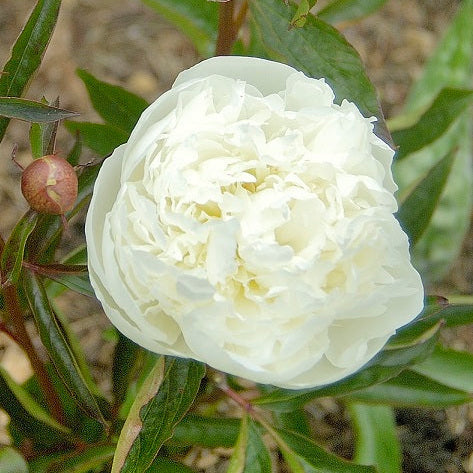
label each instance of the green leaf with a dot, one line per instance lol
(206, 431)
(82, 461)
(162, 401)
(418, 207)
(387, 364)
(12, 256)
(43, 136)
(446, 108)
(58, 348)
(199, 24)
(31, 111)
(27, 415)
(303, 455)
(449, 367)
(117, 106)
(376, 441)
(165, 465)
(102, 139)
(295, 420)
(347, 10)
(250, 454)
(11, 461)
(28, 52)
(450, 66)
(125, 360)
(300, 17)
(318, 50)
(412, 389)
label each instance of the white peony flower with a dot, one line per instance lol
(248, 223)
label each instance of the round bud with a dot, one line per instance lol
(49, 184)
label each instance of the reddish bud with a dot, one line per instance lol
(49, 184)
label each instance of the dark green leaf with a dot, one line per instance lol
(206, 431)
(84, 461)
(449, 367)
(348, 10)
(57, 347)
(445, 109)
(125, 359)
(117, 106)
(376, 441)
(164, 398)
(250, 454)
(295, 420)
(418, 207)
(412, 389)
(318, 50)
(31, 111)
(27, 52)
(199, 24)
(11, 461)
(13, 253)
(102, 139)
(303, 455)
(27, 415)
(385, 365)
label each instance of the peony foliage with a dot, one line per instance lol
(246, 237)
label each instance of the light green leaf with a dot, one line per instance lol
(31, 111)
(347, 10)
(417, 208)
(300, 17)
(303, 455)
(199, 24)
(162, 401)
(449, 367)
(450, 66)
(118, 107)
(28, 52)
(11, 461)
(99, 137)
(82, 461)
(445, 109)
(318, 50)
(376, 441)
(412, 389)
(43, 135)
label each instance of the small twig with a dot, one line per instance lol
(226, 29)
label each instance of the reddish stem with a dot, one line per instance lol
(226, 29)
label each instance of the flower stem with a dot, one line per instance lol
(226, 29)
(13, 308)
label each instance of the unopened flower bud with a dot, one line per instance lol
(49, 184)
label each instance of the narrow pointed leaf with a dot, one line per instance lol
(376, 440)
(238, 458)
(296, 421)
(418, 207)
(57, 347)
(300, 17)
(11, 461)
(85, 461)
(13, 253)
(449, 367)
(199, 24)
(206, 431)
(445, 109)
(387, 364)
(27, 415)
(114, 104)
(348, 10)
(257, 458)
(28, 51)
(43, 136)
(412, 389)
(318, 50)
(31, 111)
(102, 139)
(162, 401)
(165, 465)
(305, 456)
